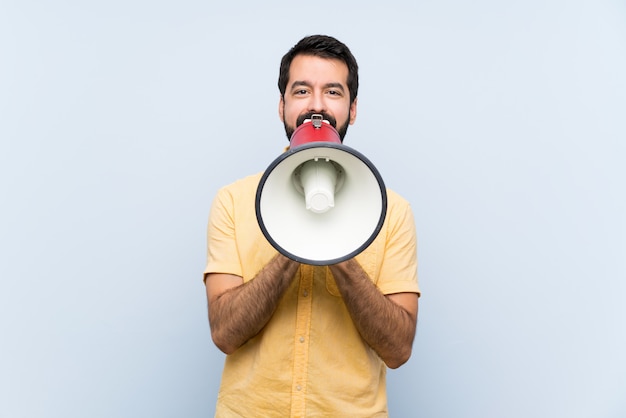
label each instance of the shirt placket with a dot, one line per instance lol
(301, 341)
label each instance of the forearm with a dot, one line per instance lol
(386, 326)
(239, 313)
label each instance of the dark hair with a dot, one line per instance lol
(324, 47)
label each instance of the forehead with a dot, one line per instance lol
(311, 68)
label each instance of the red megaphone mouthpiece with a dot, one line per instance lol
(314, 130)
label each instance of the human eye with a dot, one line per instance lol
(334, 92)
(299, 91)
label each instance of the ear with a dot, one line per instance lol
(281, 108)
(353, 111)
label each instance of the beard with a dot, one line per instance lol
(341, 130)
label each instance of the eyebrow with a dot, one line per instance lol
(299, 83)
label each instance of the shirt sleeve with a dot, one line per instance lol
(399, 265)
(222, 253)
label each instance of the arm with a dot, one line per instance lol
(237, 310)
(386, 323)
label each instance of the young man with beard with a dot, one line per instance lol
(306, 340)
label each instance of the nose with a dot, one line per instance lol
(317, 103)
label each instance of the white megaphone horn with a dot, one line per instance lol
(320, 202)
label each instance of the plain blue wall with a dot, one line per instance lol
(501, 122)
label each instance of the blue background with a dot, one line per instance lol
(503, 124)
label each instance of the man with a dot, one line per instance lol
(306, 340)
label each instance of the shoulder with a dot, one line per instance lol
(399, 212)
(396, 202)
(245, 182)
(243, 185)
(235, 194)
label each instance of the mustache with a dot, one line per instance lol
(309, 115)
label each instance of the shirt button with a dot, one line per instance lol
(301, 339)
(305, 293)
(298, 388)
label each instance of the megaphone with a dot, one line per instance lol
(320, 202)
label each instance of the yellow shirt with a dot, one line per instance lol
(309, 360)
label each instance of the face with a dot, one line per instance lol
(317, 85)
